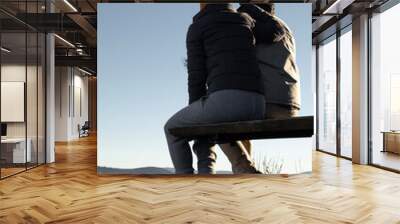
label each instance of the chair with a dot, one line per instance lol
(84, 130)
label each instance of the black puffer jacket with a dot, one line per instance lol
(221, 52)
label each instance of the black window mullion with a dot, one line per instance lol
(45, 95)
(26, 86)
(338, 92)
(317, 95)
(37, 90)
(369, 79)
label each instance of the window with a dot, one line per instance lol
(327, 95)
(346, 92)
(385, 89)
(22, 88)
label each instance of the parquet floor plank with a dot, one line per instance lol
(70, 191)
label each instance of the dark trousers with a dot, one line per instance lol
(221, 106)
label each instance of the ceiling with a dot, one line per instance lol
(75, 22)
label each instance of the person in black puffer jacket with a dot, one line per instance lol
(224, 84)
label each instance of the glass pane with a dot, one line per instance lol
(13, 88)
(32, 95)
(41, 98)
(31, 86)
(346, 94)
(386, 89)
(327, 96)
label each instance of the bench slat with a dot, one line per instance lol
(296, 127)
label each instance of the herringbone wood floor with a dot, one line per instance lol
(70, 191)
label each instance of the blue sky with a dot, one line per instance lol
(143, 81)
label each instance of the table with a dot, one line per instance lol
(391, 141)
(13, 150)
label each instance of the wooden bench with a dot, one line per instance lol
(296, 127)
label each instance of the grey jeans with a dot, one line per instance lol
(221, 106)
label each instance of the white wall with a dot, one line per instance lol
(14, 73)
(80, 84)
(69, 85)
(13, 100)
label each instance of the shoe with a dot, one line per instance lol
(245, 169)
